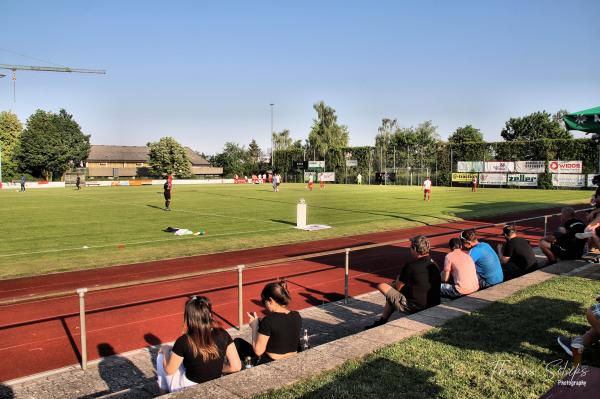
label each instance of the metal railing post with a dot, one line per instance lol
(81, 292)
(346, 267)
(545, 225)
(240, 269)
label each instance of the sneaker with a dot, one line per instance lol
(565, 343)
(376, 323)
(583, 236)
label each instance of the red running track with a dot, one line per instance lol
(44, 335)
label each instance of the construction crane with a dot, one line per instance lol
(15, 68)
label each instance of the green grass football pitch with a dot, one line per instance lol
(47, 230)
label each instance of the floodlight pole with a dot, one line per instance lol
(272, 145)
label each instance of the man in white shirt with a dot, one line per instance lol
(427, 189)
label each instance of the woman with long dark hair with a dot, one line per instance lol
(277, 335)
(203, 352)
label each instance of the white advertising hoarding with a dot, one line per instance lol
(565, 166)
(51, 184)
(568, 180)
(327, 176)
(469, 166)
(316, 164)
(590, 177)
(492, 179)
(530, 166)
(499, 166)
(523, 179)
(351, 163)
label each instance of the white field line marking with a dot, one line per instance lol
(137, 242)
(178, 239)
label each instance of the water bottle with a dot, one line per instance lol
(248, 362)
(305, 345)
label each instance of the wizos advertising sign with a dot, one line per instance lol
(565, 166)
(523, 179)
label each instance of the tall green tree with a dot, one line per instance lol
(466, 134)
(167, 156)
(426, 138)
(234, 160)
(282, 140)
(10, 134)
(254, 152)
(326, 133)
(468, 145)
(536, 126)
(558, 117)
(384, 141)
(50, 143)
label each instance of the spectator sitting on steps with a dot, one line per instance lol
(516, 256)
(203, 352)
(564, 244)
(486, 261)
(416, 288)
(275, 336)
(460, 268)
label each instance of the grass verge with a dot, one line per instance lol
(506, 350)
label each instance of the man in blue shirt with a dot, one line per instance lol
(487, 264)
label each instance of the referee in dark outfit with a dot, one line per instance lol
(167, 193)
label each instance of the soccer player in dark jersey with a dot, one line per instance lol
(167, 193)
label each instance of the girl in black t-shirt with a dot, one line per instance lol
(277, 335)
(199, 354)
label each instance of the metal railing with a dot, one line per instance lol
(240, 280)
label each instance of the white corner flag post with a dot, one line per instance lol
(301, 214)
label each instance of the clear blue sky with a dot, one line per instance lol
(205, 72)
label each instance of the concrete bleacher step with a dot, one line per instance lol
(336, 335)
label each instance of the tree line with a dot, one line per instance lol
(46, 147)
(51, 143)
(414, 146)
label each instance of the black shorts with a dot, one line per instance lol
(167, 195)
(563, 253)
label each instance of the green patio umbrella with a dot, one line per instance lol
(586, 121)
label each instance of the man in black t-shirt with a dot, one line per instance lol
(563, 244)
(516, 256)
(416, 288)
(167, 194)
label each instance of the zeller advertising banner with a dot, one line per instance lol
(530, 166)
(463, 177)
(469, 166)
(565, 166)
(499, 166)
(492, 179)
(568, 180)
(522, 179)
